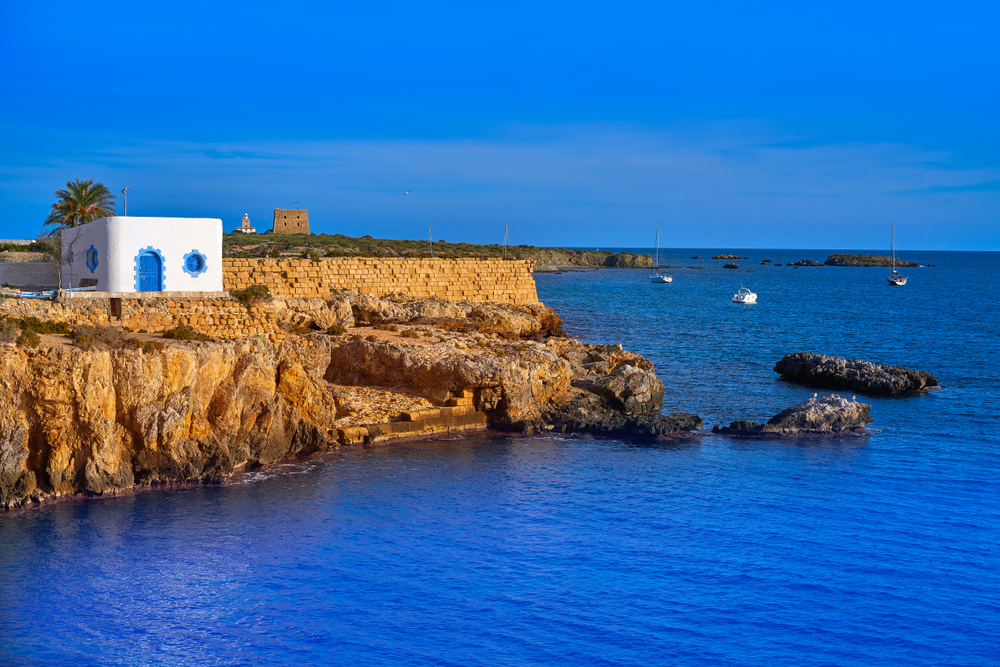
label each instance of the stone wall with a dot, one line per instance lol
(216, 315)
(29, 274)
(498, 280)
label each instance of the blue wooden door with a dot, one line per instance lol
(149, 273)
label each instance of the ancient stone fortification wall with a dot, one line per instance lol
(502, 281)
(218, 315)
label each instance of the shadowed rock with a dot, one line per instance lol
(821, 370)
(828, 414)
(590, 413)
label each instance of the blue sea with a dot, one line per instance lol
(881, 549)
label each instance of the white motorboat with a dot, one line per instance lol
(656, 276)
(745, 296)
(895, 278)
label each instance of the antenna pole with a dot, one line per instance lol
(430, 238)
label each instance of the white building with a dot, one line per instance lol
(134, 254)
(245, 227)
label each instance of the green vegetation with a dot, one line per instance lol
(317, 246)
(26, 331)
(87, 337)
(29, 338)
(34, 246)
(81, 202)
(251, 295)
(336, 330)
(838, 259)
(184, 332)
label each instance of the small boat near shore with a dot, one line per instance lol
(745, 296)
(895, 278)
(656, 276)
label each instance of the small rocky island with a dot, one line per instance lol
(865, 260)
(822, 370)
(827, 414)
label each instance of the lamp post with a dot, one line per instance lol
(125, 192)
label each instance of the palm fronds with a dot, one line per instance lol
(81, 202)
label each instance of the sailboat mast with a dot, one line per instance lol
(893, 248)
(657, 260)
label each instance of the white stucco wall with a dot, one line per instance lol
(119, 241)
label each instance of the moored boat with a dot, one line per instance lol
(895, 278)
(745, 296)
(656, 276)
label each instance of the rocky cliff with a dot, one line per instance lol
(102, 421)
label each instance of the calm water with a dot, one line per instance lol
(877, 550)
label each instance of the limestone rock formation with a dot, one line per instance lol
(828, 414)
(103, 421)
(588, 412)
(630, 390)
(314, 312)
(99, 421)
(821, 370)
(805, 262)
(628, 260)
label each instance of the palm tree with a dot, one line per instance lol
(81, 202)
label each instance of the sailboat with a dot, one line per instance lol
(895, 278)
(655, 276)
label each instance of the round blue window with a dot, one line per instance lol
(194, 263)
(92, 259)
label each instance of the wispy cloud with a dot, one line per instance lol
(735, 185)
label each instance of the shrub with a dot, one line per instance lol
(184, 332)
(410, 333)
(43, 327)
(86, 336)
(356, 336)
(28, 338)
(9, 331)
(251, 295)
(385, 327)
(147, 346)
(336, 330)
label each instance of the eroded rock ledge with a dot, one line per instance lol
(822, 370)
(103, 421)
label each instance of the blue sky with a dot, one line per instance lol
(579, 124)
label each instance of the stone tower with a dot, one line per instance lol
(291, 221)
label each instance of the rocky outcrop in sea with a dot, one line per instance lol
(827, 414)
(821, 370)
(837, 259)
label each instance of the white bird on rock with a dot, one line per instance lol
(815, 395)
